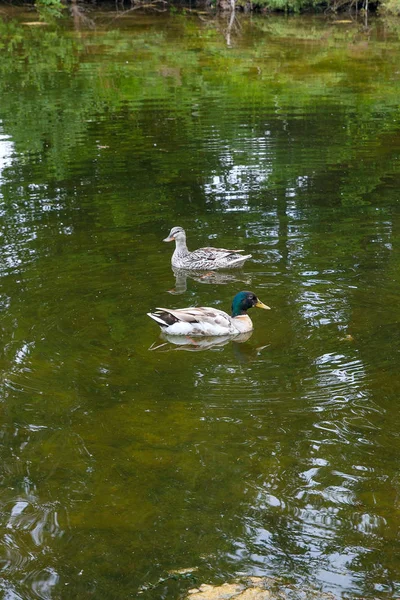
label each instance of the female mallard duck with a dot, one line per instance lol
(203, 320)
(203, 258)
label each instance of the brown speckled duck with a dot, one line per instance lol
(203, 258)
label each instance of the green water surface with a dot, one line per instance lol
(126, 458)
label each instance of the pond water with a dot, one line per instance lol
(125, 458)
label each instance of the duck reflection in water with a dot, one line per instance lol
(243, 352)
(210, 277)
(193, 344)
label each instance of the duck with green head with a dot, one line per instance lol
(203, 320)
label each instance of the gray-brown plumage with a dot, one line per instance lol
(204, 258)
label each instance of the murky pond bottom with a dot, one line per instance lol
(133, 466)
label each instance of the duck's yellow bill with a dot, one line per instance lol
(168, 239)
(262, 305)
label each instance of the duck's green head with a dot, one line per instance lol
(245, 300)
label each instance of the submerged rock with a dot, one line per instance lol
(256, 588)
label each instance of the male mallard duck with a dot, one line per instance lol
(203, 320)
(203, 258)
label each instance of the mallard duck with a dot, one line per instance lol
(203, 258)
(203, 320)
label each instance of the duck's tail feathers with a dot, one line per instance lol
(240, 259)
(157, 319)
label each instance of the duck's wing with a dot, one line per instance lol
(224, 250)
(198, 314)
(211, 253)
